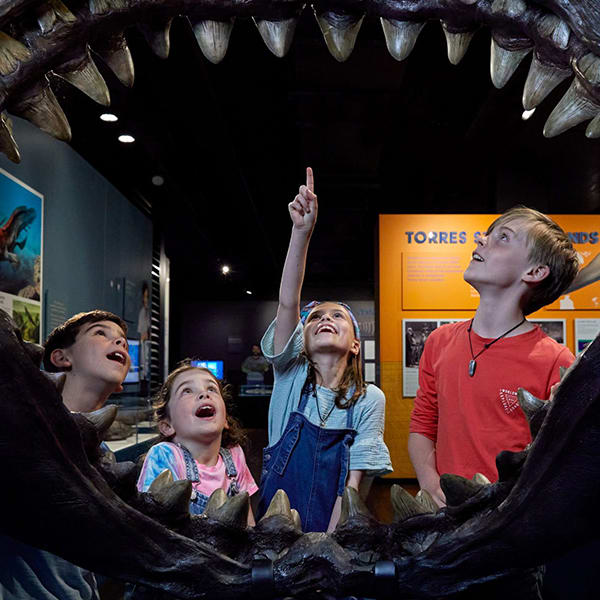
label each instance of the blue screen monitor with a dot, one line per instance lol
(214, 366)
(133, 375)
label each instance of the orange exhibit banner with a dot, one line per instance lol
(421, 263)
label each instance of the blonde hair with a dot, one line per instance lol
(232, 436)
(548, 245)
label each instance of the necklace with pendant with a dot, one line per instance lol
(322, 419)
(473, 361)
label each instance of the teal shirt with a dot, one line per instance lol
(369, 452)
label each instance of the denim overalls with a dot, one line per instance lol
(198, 500)
(311, 464)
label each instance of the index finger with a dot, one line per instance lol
(310, 179)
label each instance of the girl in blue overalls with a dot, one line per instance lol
(325, 424)
(199, 440)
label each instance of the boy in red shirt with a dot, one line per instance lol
(466, 410)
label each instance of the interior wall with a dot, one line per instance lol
(94, 238)
(226, 331)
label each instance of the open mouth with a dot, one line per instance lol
(205, 411)
(476, 257)
(326, 329)
(117, 357)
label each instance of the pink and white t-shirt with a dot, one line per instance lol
(167, 455)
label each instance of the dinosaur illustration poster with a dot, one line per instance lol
(21, 217)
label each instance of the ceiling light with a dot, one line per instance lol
(109, 117)
(158, 180)
(225, 269)
(126, 139)
(527, 113)
(249, 292)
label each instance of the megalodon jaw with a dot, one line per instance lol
(53, 39)
(489, 536)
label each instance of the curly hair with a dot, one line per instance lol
(234, 435)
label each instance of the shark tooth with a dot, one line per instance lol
(425, 499)
(234, 511)
(41, 108)
(541, 80)
(103, 7)
(52, 11)
(340, 33)
(404, 504)
(555, 30)
(117, 56)
(12, 54)
(529, 403)
(573, 108)
(56, 379)
(352, 506)
(481, 479)
(458, 489)
(400, 36)
(503, 63)
(296, 519)
(213, 38)
(277, 35)
(279, 505)
(592, 131)
(86, 78)
(215, 501)
(509, 8)
(576, 105)
(103, 418)
(157, 35)
(8, 145)
(457, 43)
(173, 496)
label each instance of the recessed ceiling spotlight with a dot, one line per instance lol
(249, 292)
(158, 180)
(109, 117)
(527, 113)
(225, 269)
(126, 139)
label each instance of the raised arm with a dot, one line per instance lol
(303, 212)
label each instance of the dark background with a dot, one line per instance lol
(231, 142)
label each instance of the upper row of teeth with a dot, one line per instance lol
(38, 104)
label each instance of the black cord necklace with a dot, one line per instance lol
(473, 361)
(322, 420)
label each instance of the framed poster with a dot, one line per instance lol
(415, 333)
(21, 243)
(554, 328)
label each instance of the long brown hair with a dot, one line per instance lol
(352, 379)
(234, 435)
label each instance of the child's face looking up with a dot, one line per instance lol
(99, 353)
(329, 328)
(501, 256)
(196, 410)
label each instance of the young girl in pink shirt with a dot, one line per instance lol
(200, 441)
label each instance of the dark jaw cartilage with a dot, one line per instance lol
(484, 541)
(41, 40)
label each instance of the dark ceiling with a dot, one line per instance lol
(231, 142)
